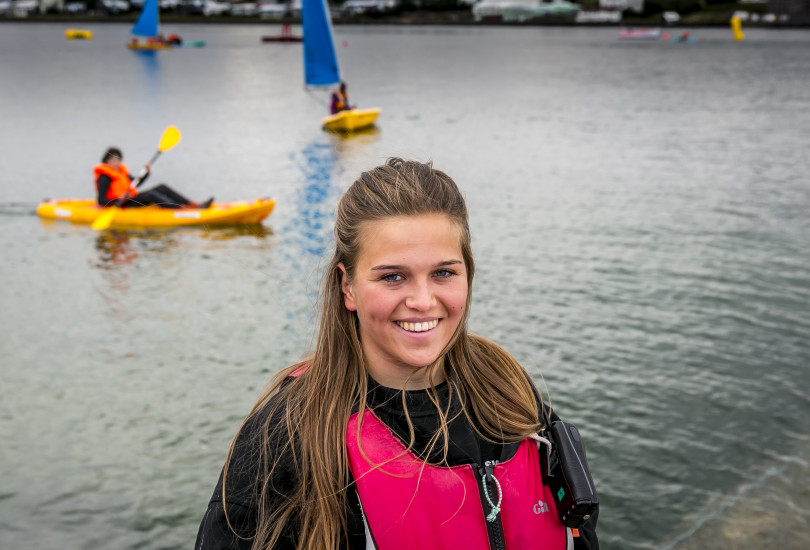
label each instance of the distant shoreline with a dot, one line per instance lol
(465, 18)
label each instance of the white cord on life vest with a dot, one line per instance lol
(496, 508)
(540, 439)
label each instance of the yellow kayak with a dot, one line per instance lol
(348, 121)
(223, 213)
(78, 34)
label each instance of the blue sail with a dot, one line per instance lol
(147, 23)
(320, 61)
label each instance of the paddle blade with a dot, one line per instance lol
(104, 221)
(171, 137)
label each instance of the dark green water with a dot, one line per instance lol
(640, 223)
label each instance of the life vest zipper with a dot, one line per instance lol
(491, 499)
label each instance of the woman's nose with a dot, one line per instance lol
(420, 298)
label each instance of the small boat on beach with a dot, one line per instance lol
(525, 11)
(78, 34)
(651, 33)
(85, 211)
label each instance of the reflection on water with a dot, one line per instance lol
(119, 247)
(61, 227)
(347, 143)
(149, 262)
(114, 249)
(150, 69)
(309, 229)
(150, 64)
(770, 508)
(119, 250)
(228, 232)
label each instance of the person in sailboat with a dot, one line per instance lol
(401, 430)
(113, 182)
(340, 100)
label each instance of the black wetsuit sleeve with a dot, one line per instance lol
(214, 532)
(235, 530)
(587, 535)
(241, 496)
(230, 525)
(103, 184)
(146, 177)
(247, 480)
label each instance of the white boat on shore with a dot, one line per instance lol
(599, 17)
(525, 11)
(651, 33)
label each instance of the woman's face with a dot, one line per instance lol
(409, 291)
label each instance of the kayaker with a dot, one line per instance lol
(384, 431)
(114, 181)
(340, 100)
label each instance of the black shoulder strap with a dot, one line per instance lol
(545, 414)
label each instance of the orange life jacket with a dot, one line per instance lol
(120, 181)
(342, 101)
(339, 103)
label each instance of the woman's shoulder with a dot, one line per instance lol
(263, 443)
(269, 411)
(263, 426)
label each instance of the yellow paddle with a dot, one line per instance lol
(170, 138)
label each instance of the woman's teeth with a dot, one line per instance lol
(418, 327)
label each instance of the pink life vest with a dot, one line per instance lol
(409, 504)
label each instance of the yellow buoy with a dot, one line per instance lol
(736, 28)
(78, 34)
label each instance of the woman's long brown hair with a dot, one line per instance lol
(490, 385)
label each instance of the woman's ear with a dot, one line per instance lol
(346, 288)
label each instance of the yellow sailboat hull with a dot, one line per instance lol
(85, 211)
(349, 121)
(147, 46)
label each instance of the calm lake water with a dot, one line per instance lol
(640, 221)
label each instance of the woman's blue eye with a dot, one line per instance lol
(445, 273)
(392, 277)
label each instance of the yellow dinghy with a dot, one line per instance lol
(349, 121)
(78, 34)
(224, 213)
(149, 46)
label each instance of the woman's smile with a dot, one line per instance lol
(417, 326)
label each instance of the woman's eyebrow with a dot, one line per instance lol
(400, 267)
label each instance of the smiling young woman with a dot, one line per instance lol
(401, 430)
(409, 291)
